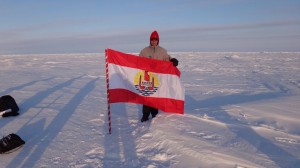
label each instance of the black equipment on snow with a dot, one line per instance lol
(8, 106)
(10, 143)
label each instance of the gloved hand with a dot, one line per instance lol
(174, 61)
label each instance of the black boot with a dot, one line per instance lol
(154, 112)
(144, 119)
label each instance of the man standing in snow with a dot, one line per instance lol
(154, 51)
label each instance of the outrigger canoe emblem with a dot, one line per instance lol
(146, 83)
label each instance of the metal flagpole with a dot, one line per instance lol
(107, 86)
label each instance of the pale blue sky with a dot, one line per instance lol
(90, 26)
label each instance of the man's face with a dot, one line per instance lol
(154, 42)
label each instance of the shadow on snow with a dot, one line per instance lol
(38, 141)
(243, 131)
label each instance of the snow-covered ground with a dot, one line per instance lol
(241, 110)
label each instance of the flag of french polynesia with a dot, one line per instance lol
(145, 81)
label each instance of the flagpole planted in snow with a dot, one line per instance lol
(129, 81)
(107, 87)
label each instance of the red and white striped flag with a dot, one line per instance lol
(145, 81)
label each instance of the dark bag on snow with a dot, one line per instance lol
(10, 143)
(8, 106)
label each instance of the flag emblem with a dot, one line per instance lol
(146, 83)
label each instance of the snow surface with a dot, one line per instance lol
(241, 110)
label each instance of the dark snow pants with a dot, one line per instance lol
(147, 110)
